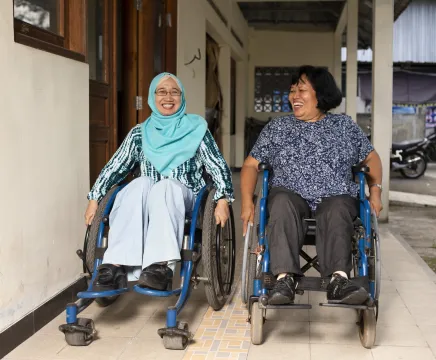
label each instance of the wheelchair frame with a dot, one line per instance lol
(366, 261)
(176, 335)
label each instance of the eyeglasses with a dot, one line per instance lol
(173, 92)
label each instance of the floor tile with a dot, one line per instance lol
(118, 326)
(282, 352)
(326, 314)
(140, 349)
(388, 287)
(402, 353)
(100, 349)
(339, 352)
(393, 311)
(286, 331)
(39, 347)
(429, 333)
(405, 335)
(334, 333)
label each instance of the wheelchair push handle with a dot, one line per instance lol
(264, 166)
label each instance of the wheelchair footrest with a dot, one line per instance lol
(308, 283)
(357, 307)
(289, 306)
(157, 293)
(101, 294)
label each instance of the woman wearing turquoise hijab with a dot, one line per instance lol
(147, 219)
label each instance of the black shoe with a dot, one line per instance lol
(283, 292)
(110, 277)
(343, 291)
(156, 276)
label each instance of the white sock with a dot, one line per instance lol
(341, 273)
(281, 276)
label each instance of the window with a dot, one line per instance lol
(56, 26)
(271, 89)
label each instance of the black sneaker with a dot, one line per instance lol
(156, 276)
(110, 277)
(283, 292)
(343, 291)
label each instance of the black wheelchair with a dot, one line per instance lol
(204, 243)
(257, 279)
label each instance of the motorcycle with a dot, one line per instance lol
(431, 149)
(409, 157)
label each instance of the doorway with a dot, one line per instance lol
(129, 42)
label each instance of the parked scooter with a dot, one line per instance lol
(431, 149)
(409, 157)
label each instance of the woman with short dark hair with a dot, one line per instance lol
(312, 153)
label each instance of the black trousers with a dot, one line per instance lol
(286, 231)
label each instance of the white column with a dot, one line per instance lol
(352, 28)
(337, 70)
(241, 111)
(382, 89)
(224, 76)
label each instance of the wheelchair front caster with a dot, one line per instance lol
(176, 338)
(257, 320)
(79, 334)
(367, 328)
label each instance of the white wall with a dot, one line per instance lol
(284, 48)
(195, 19)
(44, 165)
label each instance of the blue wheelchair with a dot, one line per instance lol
(257, 279)
(204, 242)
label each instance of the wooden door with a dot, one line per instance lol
(102, 83)
(148, 31)
(157, 46)
(149, 49)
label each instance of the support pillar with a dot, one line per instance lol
(337, 70)
(382, 89)
(224, 76)
(352, 28)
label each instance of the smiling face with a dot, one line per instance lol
(168, 97)
(303, 100)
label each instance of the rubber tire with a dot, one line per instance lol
(367, 328)
(257, 320)
(213, 294)
(78, 338)
(92, 242)
(93, 231)
(419, 175)
(254, 241)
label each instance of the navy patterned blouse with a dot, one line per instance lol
(313, 159)
(130, 154)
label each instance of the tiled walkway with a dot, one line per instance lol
(127, 330)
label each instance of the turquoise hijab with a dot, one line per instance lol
(169, 141)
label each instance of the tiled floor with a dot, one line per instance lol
(127, 330)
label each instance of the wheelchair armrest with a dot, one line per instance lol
(264, 166)
(360, 168)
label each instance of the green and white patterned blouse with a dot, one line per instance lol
(130, 154)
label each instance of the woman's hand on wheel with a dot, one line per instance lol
(247, 215)
(222, 212)
(90, 211)
(376, 203)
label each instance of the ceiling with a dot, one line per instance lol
(310, 16)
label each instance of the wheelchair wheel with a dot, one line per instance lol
(257, 320)
(90, 245)
(367, 328)
(177, 342)
(218, 255)
(251, 259)
(75, 337)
